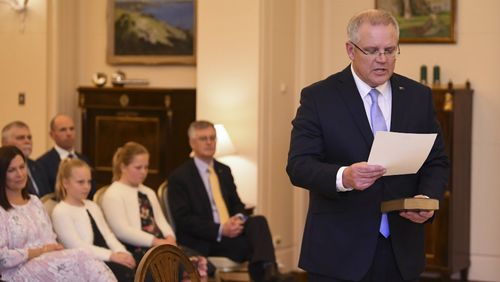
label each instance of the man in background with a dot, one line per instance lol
(209, 215)
(62, 131)
(17, 133)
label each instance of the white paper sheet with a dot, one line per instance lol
(400, 153)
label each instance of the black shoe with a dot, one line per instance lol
(272, 274)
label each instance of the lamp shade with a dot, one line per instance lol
(224, 144)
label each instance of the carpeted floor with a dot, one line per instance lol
(302, 277)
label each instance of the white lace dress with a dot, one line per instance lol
(28, 226)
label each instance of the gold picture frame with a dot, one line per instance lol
(423, 21)
(151, 32)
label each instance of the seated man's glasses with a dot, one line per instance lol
(374, 52)
(207, 138)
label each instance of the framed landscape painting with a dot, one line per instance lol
(151, 32)
(423, 21)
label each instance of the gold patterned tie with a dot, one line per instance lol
(217, 195)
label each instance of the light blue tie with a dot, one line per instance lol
(377, 118)
(378, 124)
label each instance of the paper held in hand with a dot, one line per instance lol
(410, 204)
(400, 153)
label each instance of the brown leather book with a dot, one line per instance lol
(410, 204)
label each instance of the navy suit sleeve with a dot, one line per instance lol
(306, 166)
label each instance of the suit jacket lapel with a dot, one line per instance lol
(201, 192)
(220, 175)
(350, 94)
(31, 179)
(398, 116)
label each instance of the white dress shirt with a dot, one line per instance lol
(63, 154)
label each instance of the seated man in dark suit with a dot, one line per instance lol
(62, 131)
(209, 215)
(17, 133)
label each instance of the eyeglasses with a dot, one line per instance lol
(207, 138)
(375, 53)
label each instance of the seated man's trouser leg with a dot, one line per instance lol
(254, 245)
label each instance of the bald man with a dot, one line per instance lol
(62, 131)
(17, 133)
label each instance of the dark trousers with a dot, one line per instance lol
(255, 244)
(384, 267)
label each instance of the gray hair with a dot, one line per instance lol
(199, 124)
(6, 129)
(372, 16)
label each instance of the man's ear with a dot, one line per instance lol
(350, 50)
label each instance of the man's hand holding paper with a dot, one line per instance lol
(360, 176)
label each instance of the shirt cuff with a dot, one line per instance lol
(219, 235)
(242, 217)
(340, 187)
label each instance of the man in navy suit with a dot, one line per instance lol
(346, 238)
(17, 133)
(62, 131)
(200, 223)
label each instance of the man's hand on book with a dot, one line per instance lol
(417, 216)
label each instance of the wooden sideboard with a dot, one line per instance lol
(155, 117)
(448, 237)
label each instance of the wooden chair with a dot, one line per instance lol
(49, 202)
(97, 198)
(222, 264)
(163, 198)
(163, 262)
